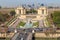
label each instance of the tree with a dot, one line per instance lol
(2, 18)
(0, 7)
(56, 17)
(12, 13)
(6, 15)
(31, 11)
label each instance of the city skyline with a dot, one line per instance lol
(13, 3)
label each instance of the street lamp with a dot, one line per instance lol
(33, 31)
(15, 31)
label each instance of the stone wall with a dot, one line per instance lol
(49, 35)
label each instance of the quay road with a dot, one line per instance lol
(31, 29)
(26, 34)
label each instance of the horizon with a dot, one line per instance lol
(15, 3)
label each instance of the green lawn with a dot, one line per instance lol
(21, 24)
(36, 24)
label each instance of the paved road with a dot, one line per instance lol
(29, 36)
(22, 36)
(31, 29)
(15, 36)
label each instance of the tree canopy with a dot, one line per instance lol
(12, 13)
(0, 7)
(56, 17)
(3, 17)
(31, 11)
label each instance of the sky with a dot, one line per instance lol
(19, 2)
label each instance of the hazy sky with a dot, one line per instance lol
(19, 2)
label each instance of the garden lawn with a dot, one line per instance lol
(21, 24)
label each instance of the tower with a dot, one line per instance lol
(42, 10)
(20, 10)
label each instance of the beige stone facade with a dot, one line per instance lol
(49, 35)
(42, 11)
